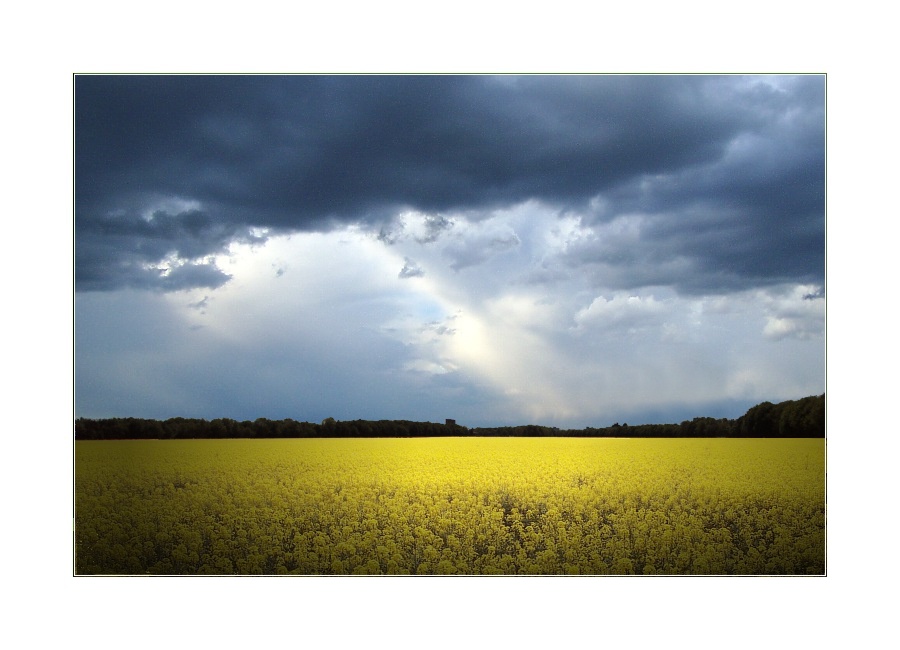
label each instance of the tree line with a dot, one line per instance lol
(802, 418)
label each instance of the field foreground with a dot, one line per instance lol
(451, 506)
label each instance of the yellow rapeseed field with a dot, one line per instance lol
(451, 506)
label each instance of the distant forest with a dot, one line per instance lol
(802, 418)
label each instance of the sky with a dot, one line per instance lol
(566, 250)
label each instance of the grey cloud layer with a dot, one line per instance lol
(726, 173)
(132, 250)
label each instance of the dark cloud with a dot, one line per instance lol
(189, 276)
(423, 229)
(162, 250)
(728, 169)
(435, 225)
(754, 215)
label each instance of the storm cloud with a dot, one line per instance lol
(722, 176)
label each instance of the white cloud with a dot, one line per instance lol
(796, 312)
(622, 313)
(428, 367)
(318, 325)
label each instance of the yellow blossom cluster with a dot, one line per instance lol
(445, 506)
